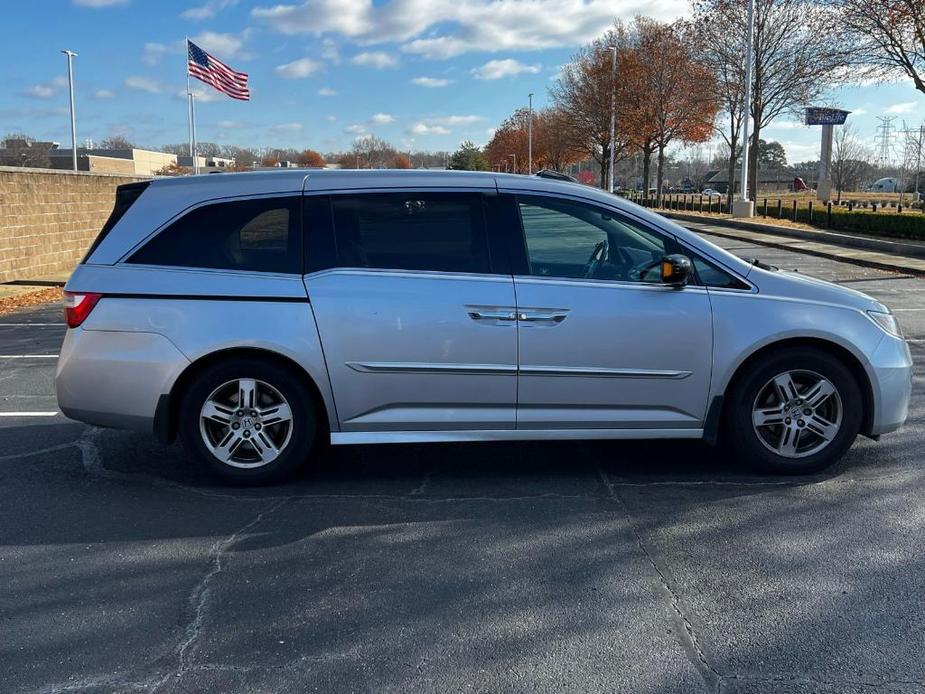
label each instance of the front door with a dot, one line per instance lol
(418, 333)
(603, 344)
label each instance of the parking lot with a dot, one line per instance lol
(566, 567)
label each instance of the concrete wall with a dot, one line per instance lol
(49, 218)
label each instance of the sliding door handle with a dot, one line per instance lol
(542, 316)
(482, 314)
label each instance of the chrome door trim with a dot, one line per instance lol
(399, 367)
(592, 372)
(533, 315)
(483, 313)
(364, 437)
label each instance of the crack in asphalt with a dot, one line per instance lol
(873, 682)
(201, 593)
(692, 644)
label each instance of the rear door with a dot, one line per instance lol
(415, 311)
(603, 344)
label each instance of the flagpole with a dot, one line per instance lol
(191, 113)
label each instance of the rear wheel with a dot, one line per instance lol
(796, 412)
(248, 420)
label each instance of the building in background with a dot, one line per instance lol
(15, 151)
(140, 162)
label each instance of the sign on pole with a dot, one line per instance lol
(820, 115)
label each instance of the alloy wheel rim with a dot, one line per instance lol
(246, 423)
(797, 413)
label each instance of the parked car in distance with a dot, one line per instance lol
(710, 192)
(258, 315)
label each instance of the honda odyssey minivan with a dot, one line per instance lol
(259, 315)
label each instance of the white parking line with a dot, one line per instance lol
(28, 356)
(32, 325)
(29, 414)
(897, 310)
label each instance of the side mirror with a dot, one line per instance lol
(676, 270)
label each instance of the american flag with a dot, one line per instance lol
(213, 71)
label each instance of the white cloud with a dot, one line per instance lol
(98, 3)
(425, 129)
(784, 125)
(496, 69)
(326, 91)
(208, 10)
(203, 94)
(103, 94)
(454, 120)
(298, 69)
(375, 59)
(231, 124)
(905, 107)
(490, 132)
(40, 91)
(154, 52)
(382, 118)
(222, 45)
(286, 128)
(144, 84)
(446, 28)
(355, 128)
(430, 82)
(330, 118)
(329, 51)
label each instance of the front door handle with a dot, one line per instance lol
(542, 316)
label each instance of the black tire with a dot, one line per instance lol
(303, 431)
(744, 441)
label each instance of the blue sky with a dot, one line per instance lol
(424, 74)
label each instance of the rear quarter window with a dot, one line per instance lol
(126, 195)
(260, 235)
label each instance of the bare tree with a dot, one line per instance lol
(373, 152)
(850, 160)
(798, 54)
(726, 60)
(117, 142)
(888, 35)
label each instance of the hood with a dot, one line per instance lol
(795, 285)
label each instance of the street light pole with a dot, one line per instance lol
(530, 136)
(70, 83)
(743, 207)
(613, 112)
(515, 161)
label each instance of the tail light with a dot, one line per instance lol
(77, 306)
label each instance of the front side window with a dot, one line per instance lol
(574, 240)
(255, 235)
(442, 232)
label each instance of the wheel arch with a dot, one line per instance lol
(165, 418)
(844, 355)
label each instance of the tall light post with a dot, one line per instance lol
(515, 161)
(613, 111)
(743, 206)
(530, 135)
(70, 84)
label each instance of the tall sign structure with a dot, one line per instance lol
(828, 118)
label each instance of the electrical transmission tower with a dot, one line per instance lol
(885, 140)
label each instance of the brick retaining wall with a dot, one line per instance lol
(49, 218)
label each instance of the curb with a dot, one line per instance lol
(783, 245)
(909, 250)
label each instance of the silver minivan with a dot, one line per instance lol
(259, 315)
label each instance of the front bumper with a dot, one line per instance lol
(115, 379)
(891, 381)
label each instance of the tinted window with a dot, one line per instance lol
(256, 235)
(711, 276)
(126, 195)
(574, 240)
(411, 231)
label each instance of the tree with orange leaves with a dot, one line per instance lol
(401, 162)
(311, 159)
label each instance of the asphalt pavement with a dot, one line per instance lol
(552, 567)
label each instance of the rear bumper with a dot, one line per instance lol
(115, 379)
(892, 384)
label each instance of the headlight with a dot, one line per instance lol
(887, 321)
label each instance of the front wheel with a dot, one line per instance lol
(796, 412)
(249, 421)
